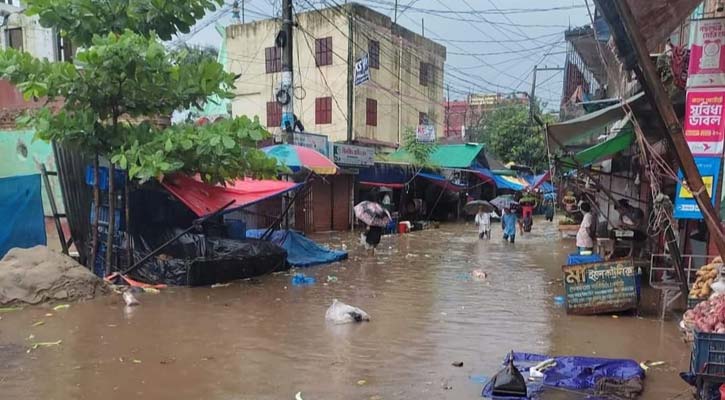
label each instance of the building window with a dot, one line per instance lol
(323, 51)
(8, 2)
(274, 114)
(14, 38)
(273, 59)
(426, 73)
(371, 112)
(323, 110)
(374, 54)
(422, 118)
(66, 50)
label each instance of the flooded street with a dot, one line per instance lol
(266, 339)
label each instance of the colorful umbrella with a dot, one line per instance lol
(372, 214)
(298, 157)
(504, 201)
(472, 206)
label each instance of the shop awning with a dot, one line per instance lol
(483, 174)
(599, 152)
(455, 156)
(205, 199)
(505, 182)
(587, 127)
(540, 181)
(441, 181)
(392, 176)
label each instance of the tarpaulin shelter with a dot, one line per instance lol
(390, 175)
(301, 250)
(441, 181)
(21, 213)
(453, 156)
(507, 182)
(299, 157)
(203, 198)
(598, 152)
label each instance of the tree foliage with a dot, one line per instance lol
(420, 152)
(508, 135)
(121, 77)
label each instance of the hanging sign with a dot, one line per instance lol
(313, 141)
(426, 133)
(345, 154)
(707, 53)
(704, 121)
(362, 70)
(685, 205)
(600, 287)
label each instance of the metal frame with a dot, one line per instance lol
(671, 291)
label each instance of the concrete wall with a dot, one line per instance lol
(38, 41)
(246, 45)
(19, 156)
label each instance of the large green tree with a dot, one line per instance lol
(509, 135)
(123, 75)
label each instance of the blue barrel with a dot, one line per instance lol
(236, 229)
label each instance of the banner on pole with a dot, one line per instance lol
(704, 125)
(707, 53)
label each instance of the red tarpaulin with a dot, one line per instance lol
(205, 199)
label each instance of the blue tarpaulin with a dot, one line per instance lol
(546, 187)
(301, 251)
(502, 183)
(21, 213)
(441, 181)
(570, 372)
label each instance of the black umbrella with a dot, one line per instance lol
(472, 207)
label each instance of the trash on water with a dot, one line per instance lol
(655, 363)
(38, 323)
(341, 313)
(559, 300)
(298, 396)
(220, 285)
(362, 382)
(615, 316)
(130, 299)
(479, 275)
(480, 379)
(151, 290)
(302, 280)
(135, 361)
(61, 307)
(509, 381)
(44, 344)
(331, 278)
(10, 309)
(458, 364)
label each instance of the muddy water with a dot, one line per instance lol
(266, 339)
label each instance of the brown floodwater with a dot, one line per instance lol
(266, 339)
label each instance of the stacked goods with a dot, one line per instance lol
(705, 277)
(707, 317)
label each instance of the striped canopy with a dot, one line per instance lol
(298, 157)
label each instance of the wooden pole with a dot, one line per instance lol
(111, 218)
(96, 211)
(650, 79)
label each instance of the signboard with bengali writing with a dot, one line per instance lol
(426, 133)
(313, 141)
(707, 54)
(704, 122)
(359, 156)
(602, 287)
(685, 205)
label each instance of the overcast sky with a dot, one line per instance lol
(492, 45)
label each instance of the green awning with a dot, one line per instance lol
(459, 156)
(587, 128)
(598, 152)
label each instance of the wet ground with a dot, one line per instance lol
(265, 339)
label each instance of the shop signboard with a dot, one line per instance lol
(362, 70)
(704, 121)
(685, 205)
(358, 156)
(602, 287)
(426, 133)
(707, 54)
(313, 141)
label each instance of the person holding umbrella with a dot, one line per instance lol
(483, 221)
(375, 217)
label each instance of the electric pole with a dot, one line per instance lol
(532, 97)
(284, 95)
(395, 18)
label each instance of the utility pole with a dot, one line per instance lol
(532, 96)
(422, 27)
(350, 77)
(448, 109)
(650, 79)
(284, 96)
(243, 12)
(395, 17)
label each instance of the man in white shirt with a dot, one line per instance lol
(483, 221)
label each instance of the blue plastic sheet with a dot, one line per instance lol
(576, 258)
(21, 213)
(570, 373)
(301, 251)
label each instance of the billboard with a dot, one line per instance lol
(707, 54)
(685, 205)
(704, 121)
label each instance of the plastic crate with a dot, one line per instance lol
(103, 212)
(119, 182)
(708, 354)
